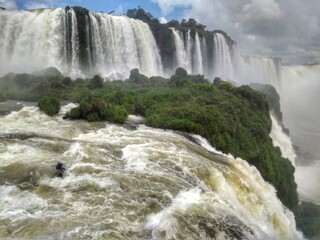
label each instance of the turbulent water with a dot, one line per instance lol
(127, 183)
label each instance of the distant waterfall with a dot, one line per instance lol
(82, 43)
(193, 54)
(262, 70)
(34, 40)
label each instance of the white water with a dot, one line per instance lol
(114, 46)
(142, 184)
(282, 140)
(121, 44)
(223, 65)
(262, 70)
(33, 40)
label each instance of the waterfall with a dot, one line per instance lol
(198, 60)
(181, 53)
(282, 140)
(115, 44)
(262, 70)
(34, 40)
(134, 184)
(82, 43)
(74, 45)
(191, 53)
(222, 52)
(121, 44)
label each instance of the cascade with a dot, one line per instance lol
(222, 52)
(181, 53)
(186, 190)
(262, 70)
(282, 140)
(198, 60)
(74, 44)
(78, 42)
(40, 36)
(121, 44)
(114, 44)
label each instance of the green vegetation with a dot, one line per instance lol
(49, 105)
(308, 219)
(272, 97)
(234, 120)
(95, 109)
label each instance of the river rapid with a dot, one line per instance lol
(127, 182)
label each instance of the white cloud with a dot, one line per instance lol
(8, 4)
(163, 20)
(262, 9)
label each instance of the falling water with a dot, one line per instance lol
(223, 65)
(282, 140)
(121, 44)
(198, 60)
(117, 44)
(127, 184)
(34, 40)
(262, 70)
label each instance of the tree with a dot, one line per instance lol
(96, 82)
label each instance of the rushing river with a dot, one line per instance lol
(125, 182)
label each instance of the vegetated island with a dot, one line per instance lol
(233, 119)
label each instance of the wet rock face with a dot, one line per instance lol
(60, 170)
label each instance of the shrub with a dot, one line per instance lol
(137, 77)
(67, 81)
(308, 219)
(96, 82)
(94, 109)
(116, 114)
(181, 72)
(49, 105)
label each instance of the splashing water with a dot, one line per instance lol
(122, 184)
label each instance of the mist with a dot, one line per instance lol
(299, 90)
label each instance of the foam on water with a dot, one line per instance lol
(141, 184)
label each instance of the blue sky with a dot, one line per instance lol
(119, 6)
(289, 29)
